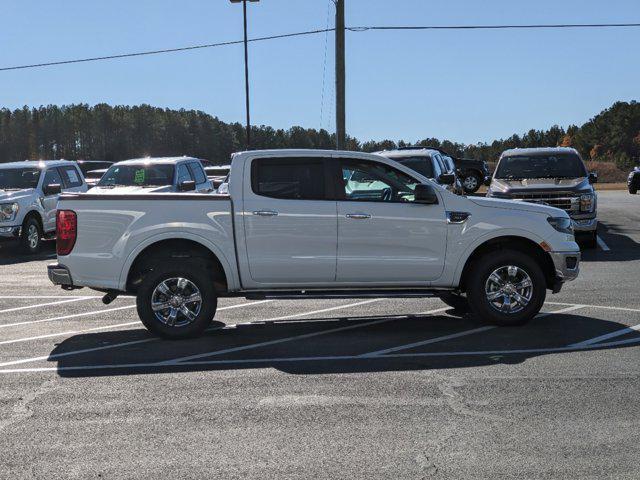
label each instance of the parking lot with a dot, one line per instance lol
(378, 388)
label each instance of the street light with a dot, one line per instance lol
(246, 67)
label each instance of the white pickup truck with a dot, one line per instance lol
(309, 224)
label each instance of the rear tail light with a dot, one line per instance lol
(66, 231)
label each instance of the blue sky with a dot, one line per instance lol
(465, 86)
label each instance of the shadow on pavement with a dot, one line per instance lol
(10, 253)
(305, 346)
(619, 239)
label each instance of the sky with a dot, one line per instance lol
(466, 86)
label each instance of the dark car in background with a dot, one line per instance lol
(554, 176)
(633, 182)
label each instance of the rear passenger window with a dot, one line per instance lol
(198, 173)
(183, 174)
(71, 177)
(291, 178)
(52, 177)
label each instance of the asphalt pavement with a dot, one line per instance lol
(379, 388)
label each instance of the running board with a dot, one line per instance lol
(340, 294)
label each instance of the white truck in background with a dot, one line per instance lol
(29, 194)
(309, 224)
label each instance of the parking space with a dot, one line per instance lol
(375, 385)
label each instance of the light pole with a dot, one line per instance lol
(246, 67)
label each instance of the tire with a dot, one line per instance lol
(633, 190)
(459, 303)
(31, 236)
(513, 268)
(168, 285)
(471, 182)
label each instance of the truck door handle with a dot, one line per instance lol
(266, 213)
(358, 216)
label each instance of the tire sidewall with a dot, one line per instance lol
(195, 274)
(24, 236)
(477, 183)
(481, 271)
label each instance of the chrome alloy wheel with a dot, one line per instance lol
(509, 289)
(176, 302)
(33, 236)
(470, 183)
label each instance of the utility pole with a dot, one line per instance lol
(341, 134)
(246, 68)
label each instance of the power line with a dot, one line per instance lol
(167, 50)
(325, 30)
(496, 27)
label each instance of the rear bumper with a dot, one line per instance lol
(567, 265)
(60, 275)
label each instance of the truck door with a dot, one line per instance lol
(51, 177)
(290, 225)
(383, 237)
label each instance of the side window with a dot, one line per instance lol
(184, 175)
(71, 176)
(422, 165)
(198, 173)
(437, 168)
(375, 182)
(52, 177)
(289, 178)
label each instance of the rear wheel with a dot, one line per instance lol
(633, 190)
(177, 300)
(470, 182)
(31, 236)
(506, 288)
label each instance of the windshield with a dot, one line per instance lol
(562, 165)
(19, 178)
(138, 176)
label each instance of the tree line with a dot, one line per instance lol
(104, 132)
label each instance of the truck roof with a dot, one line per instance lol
(37, 164)
(409, 152)
(155, 160)
(538, 151)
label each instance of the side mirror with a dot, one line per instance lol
(187, 186)
(487, 182)
(447, 179)
(593, 177)
(52, 189)
(425, 194)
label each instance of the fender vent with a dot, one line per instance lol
(457, 217)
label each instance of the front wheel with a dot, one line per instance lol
(31, 236)
(177, 300)
(506, 288)
(633, 190)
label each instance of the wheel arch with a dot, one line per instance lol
(511, 242)
(185, 247)
(33, 214)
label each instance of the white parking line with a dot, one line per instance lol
(377, 353)
(607, 336)
(44, 297)
(114, 345)
(62, 334)
(455, 335)
(604, 307)
(65, 317)
(15, 309)
(286, 339)
(258, 361)
(601, 244)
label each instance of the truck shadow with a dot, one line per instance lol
(335, 345)
(10, 253)
(618, 239)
